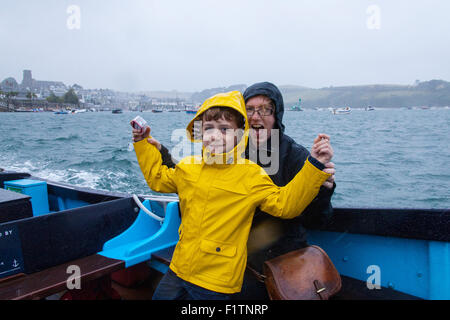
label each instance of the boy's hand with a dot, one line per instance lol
(138, 135)
(321, 149)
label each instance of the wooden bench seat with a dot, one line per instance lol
(53, 280)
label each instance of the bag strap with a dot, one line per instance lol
(259, 276)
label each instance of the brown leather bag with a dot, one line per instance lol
(304, 274)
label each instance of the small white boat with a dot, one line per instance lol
(79, 111)
(345, 110)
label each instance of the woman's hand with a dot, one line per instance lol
(321, 149)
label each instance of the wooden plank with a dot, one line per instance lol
(53, 280)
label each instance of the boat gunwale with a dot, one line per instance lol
(412, 223)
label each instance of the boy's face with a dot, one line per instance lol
(219, 136)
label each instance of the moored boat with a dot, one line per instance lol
(346, 110)
(297, 107)
(79, 111)
(191, 109)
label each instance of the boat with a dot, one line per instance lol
(61, 112)
(156, 111)
(47, 227)
(22, 109)
(297, 107)
(370, 108)
(346, 110)
(79, 111)
(117, 111)
(191, 109)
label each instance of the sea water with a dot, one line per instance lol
(384, 158)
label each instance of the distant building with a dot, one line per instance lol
(27, 81)
(9, 84)
(42, 88)
(77, 87)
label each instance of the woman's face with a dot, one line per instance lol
(260, 124)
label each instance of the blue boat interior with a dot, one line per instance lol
(76, 223)
(145, 236)
(403, 252)
(46, 198)
(419, 268)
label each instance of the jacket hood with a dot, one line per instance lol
(271, 91)
(234, 100)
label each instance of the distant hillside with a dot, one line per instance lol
(199, 97)
(167, 94)
(428, 93)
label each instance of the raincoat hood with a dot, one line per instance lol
(271, 91)
(234, 100)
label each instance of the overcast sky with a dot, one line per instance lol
(191, 45)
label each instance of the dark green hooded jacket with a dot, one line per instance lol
(292, 157)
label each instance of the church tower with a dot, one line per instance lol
(27, 81)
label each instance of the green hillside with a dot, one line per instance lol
(429, 93)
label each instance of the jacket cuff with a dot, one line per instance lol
(140, 145)
(166, 157)
(326, 192)
(316, 163)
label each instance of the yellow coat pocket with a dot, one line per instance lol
(216, 260)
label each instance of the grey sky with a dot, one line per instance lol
(191, 45)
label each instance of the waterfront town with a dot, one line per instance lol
(55, 96)
(37, 95)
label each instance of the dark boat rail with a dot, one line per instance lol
(425, 224)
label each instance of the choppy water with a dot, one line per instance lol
(384, 158)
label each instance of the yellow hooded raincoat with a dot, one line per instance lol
(218, 196)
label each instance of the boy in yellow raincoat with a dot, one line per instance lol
(218, 193)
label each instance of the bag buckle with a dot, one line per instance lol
(319, 288)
